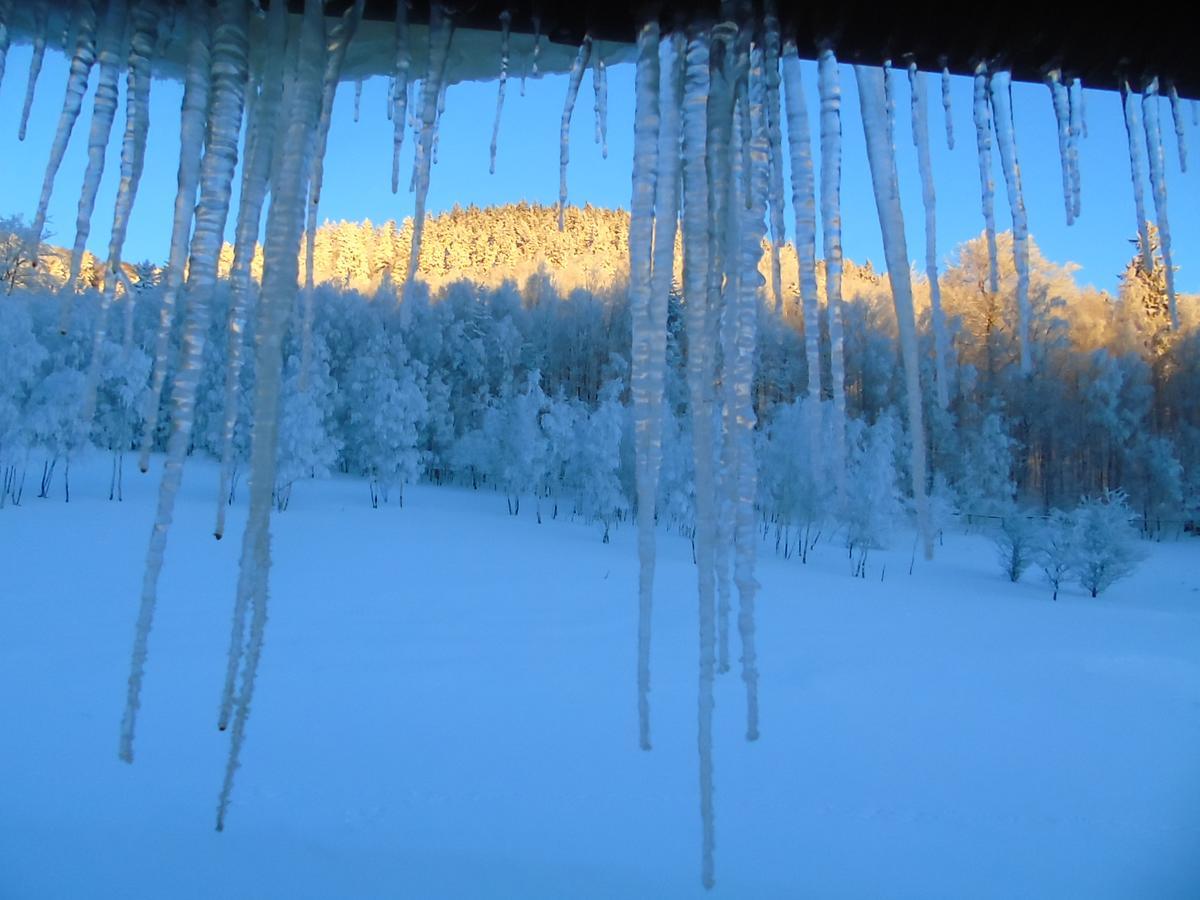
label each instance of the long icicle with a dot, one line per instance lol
(831, 240)
(400, 89)
(40, 24)
(983, 144)
(1158, 184)
(84, 21)
(1006, 142)
(339, 41)
(740, 370)
(920, 129)
(230, 49)
(262, 129)
(947, 106)
(700, 387)
(5, 37)
(775, 150)
(146, 15)
(505, 24)
(600, 107)
(1180, 130)
(1133, 126)
(1061, 101)
(104, 111)
(285, 222)
(564, 134)
(1075, 105)
(193, 114)
(728, 45)
(881, 156)
(805, 210)
(647, 348)
(441, 30)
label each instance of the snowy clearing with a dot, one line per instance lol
(447, 708)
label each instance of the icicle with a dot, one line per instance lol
(5, 16)
(648, 344)
(1082, 109)
(1195, 105)
(1006, 141)
(600, 86)
(1133, 125)
(391, 96)
(889, 94)
(191, 143)
(564, 134)
(81, 66)
(104, 110)
(339, 40)
(1158, 184)
(775, 150)
(728, 47)
(804, 208)
(1062, 115)
(40, 26)
(983, 141)
(1180, 133)
(262, 128)
(133, 149)
(437, 123)
(881, 156)
(537, 47)
(505, 23)
(947, 106)
(290, 169)
(700, 387)
(400, 89)
(228, 80)
(357, 98)
(740, 375)
(920, 128)
(831, 240)
(440, 31)
(1075, 105)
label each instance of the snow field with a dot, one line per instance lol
(446, 708)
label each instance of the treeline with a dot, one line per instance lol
(523, 388)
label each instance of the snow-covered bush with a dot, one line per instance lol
(1015, 539)
(1055, 552)
(1105, 542)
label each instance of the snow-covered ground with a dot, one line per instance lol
(447, 708)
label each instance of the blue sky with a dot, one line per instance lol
(358, 166)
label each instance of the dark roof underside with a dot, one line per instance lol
(1100, 48)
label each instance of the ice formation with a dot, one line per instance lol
(831, 234)
(1158, 184)
(1000, 85)
(41, 25)
(648, 348)
(1133, 128)
(715, 103)
(564, 135)
(505, 23)
(228, 78)
(920, 129)
(983, 145)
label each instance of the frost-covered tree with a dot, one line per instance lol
(1055, 552)
(384, 407)
(1015, 538)
(307, 447)
(872, 506)
(1105, 542)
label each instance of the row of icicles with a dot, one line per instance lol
(711, 101)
